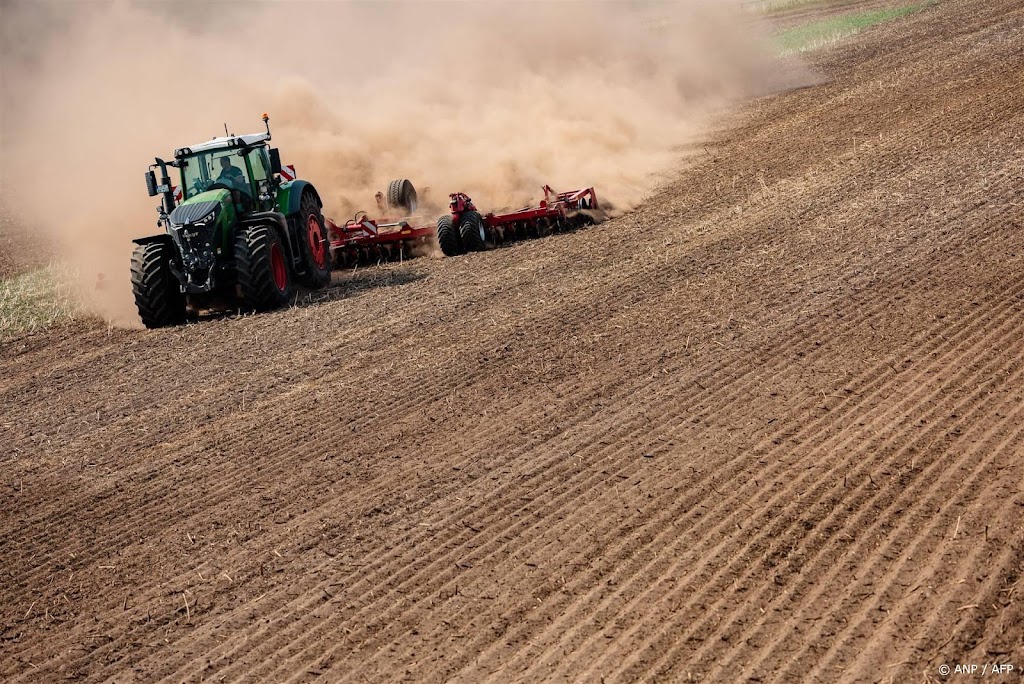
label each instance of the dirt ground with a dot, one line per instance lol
(768, 427)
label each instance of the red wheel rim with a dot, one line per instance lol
(315, 234)
(277, 267)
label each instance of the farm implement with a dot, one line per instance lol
(465, 229)
(362, 240)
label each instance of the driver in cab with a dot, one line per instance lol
(230, 174)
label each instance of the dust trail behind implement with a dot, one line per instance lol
(490, 98)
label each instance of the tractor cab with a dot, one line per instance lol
(241, 166)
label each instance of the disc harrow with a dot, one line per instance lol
(465, 229)
(365, 241)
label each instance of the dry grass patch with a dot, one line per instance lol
(37, 299)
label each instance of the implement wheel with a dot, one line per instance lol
(402, 195)
(471, 229)
(448, 237)
(158, 296)
(262, 268)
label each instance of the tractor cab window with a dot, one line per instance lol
(223, 168)
(258, 162)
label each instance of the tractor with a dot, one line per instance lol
(233, 231)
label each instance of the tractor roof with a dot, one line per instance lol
(223, 143)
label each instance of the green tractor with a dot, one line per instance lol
(236, 232)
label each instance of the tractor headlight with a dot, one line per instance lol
(206, 220)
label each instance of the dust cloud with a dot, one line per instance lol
(490, 98)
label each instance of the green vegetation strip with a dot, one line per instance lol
(36, 300)
(818, 33)
(779, 6)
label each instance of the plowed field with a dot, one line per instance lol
(768, 427)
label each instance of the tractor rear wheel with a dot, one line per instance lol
(314, 245)
(471, 228)
(447, 237)
(158, 296)
(262, 268)
(402, 195)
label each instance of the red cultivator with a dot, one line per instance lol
(365, 240)
(362, 240)
(466, 230)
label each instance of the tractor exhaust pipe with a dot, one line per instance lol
(164, 188)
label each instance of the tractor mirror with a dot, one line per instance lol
(151, 183)
(275, 160)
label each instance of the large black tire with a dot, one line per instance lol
(448, 237)
(261, 263)
(314, 243)
(471, 229)
(402, 195)
(158, 295)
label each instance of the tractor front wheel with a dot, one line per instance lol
(261, 264)
(158, 295)
(314, 246)
(471, 228)
(447, 237)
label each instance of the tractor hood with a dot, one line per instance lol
(199, 207)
